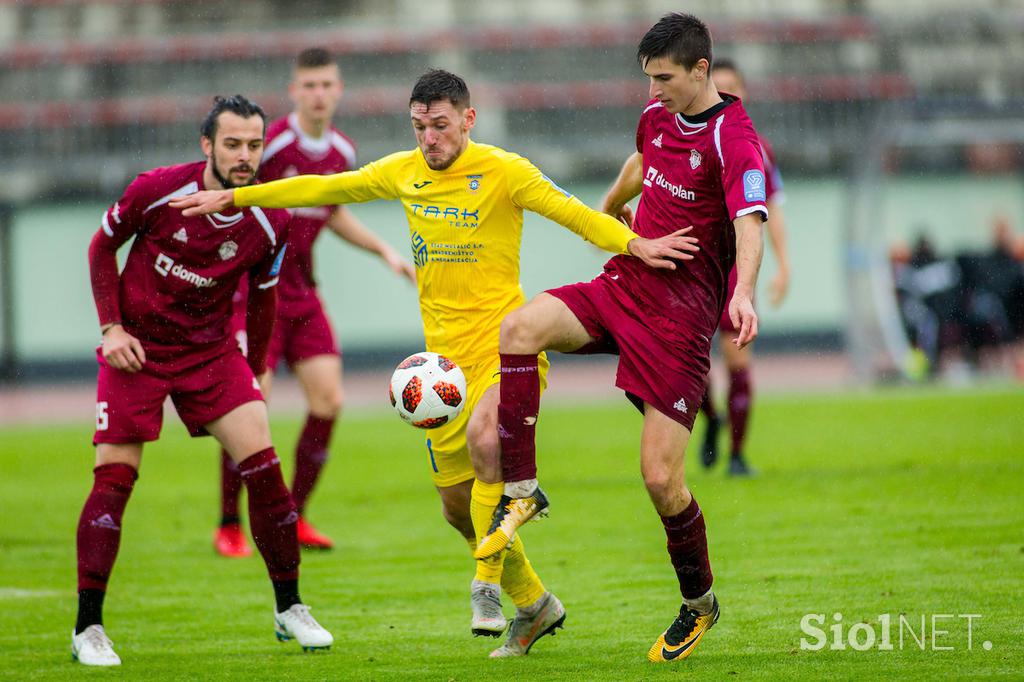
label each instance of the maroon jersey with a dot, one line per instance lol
(703, 171)
(289, 152)
(180, 274)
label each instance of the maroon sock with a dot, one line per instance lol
(517, 416)
(272, 514)
(740, 390)
(707, 404)
(230, 489)
(99, 526)
(310, 457)
(688, 550)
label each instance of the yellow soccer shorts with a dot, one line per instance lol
(448, 454)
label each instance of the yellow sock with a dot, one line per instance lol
(520, 582)
(518, 579)
(482, 502)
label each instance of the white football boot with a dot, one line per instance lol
(485, 600)
(297, 623)
(92, 647)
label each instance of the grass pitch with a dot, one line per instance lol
(869, 506)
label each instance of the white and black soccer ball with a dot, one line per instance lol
(427, 390)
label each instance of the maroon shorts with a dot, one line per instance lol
(661, 361)
(296, 337)
(301, 336)
(129, 407)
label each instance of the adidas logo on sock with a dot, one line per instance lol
(105, 521)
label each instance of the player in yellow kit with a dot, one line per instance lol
(464, 202)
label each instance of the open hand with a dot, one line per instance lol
(664, 251)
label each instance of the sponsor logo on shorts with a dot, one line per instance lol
(656, 178)
(166, 266)
(293, 517)
(680, 405)
(529, 421)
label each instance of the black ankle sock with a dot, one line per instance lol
(286, 592)
(90, 609)
(229, 520)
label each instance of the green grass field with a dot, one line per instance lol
(885, 503)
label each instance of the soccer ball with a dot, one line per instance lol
(427, 390)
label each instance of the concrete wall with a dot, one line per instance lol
(55, 319)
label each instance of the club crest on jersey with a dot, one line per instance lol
(474, 182)
(228, 250)
(695, 159)
(657, 141)
(181, 236)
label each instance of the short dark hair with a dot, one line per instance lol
(438, 84)
(236, 104)
(683, 38)
(314, 57)
(728, 65)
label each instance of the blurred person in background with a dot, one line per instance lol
(166, 329)
(728, 79)
(300, 143)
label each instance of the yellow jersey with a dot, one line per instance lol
(465, 229)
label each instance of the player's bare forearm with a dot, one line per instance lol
(344, 224)
(776, 227)
(749, 249)
(627, 186)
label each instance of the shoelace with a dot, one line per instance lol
(303, 616)
(98, 639)
(687, 620)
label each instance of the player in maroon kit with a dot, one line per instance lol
(165, 324)
(304, 142)
(728, 79)
(697, 163)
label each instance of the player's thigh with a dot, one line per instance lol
(735, 358)
(320, 378)
(119, 453)
(662, 460)
(129, 405)
(243, 431)
(544, 323)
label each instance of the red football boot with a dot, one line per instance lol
(230, 541)
(310, 538)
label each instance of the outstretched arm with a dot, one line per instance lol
(749, 248)
(344, 224)
(301, 190)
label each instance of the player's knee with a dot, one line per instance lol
(327, 404)
(661, 484)
(518, 335)
(457, 518)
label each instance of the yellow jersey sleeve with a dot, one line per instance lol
(372, 181)
(534, 191)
